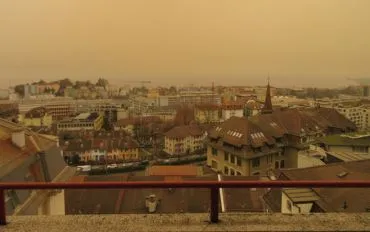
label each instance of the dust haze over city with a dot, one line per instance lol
(300, 43)
(168, 115)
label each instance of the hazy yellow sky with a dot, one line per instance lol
(186, 41)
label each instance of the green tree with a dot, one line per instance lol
(65, 83)
(102, 82)
(19, 89)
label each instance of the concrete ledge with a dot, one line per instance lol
(190, 222)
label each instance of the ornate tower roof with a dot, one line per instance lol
(267, 107)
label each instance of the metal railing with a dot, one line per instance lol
(214, 187)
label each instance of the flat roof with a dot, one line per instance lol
(301, 195)
(349, 156)
(82, 116)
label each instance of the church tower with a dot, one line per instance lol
(267, 107)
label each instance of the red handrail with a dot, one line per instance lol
(185, 184)
(212, 185)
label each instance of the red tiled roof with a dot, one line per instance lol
(138, 120)
(186, 170)
(240, 131)
(184, 131)
(207, 107)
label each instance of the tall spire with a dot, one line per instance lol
(267, 107)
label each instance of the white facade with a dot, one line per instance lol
(289, 207)
(228, 113)
(360, 115)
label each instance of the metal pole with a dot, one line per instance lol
(215, 196)
(2, 208)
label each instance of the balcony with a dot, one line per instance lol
(188, 222)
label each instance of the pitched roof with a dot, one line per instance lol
(243, 199)
(207, 107)
(12, 156)
(189, 200)
(267, 107)
(82, 201)
(184, 170)
(345, 140)
(335, 119)
(332, 199)
(184, 131)
(240, 131)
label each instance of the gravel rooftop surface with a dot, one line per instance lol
(190, 222)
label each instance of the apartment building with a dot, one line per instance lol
(84, 121)
(269, 141)
(57, 107)
(184, 139)
(240, 147)
(110, 147)
(252, 108)
(207, 113)
(354, 143)
(27, 156)
(199, 97)
(358, 114)
(139, 105)
(37, 117)
(230, 109)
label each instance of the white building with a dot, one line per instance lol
(228, 111)
(357, 114)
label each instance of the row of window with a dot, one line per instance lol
(233, 159)
(231, 172)
(75, 125)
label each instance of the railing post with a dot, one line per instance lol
(2, 208)
(215, 197)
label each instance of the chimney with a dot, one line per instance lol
(19, 138)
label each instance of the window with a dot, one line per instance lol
(226, 170)
(238, 161)
(277, 165)
(214, 151)
(282, 164)
(226, 156)
(232, 159)
(256, 162)
(232, 172)
(214, 164)
(269, 159)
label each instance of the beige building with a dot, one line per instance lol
(37, 117)
(360, 115)
(85, 121)
(207, 113)
(347, 143)
(254, 146)
(239, 147)
(184, 139)
(111, 149)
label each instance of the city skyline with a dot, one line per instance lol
(303, 44)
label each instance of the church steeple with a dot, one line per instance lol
(267, 107)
